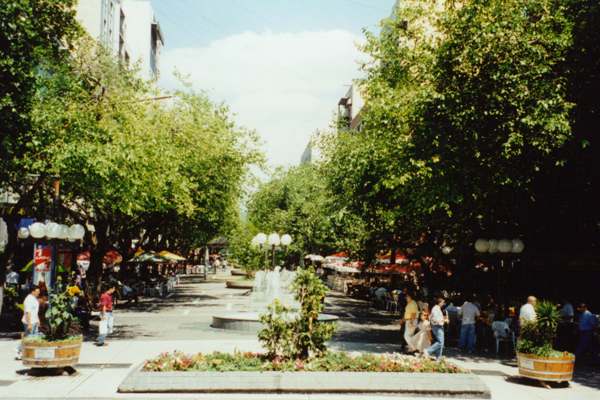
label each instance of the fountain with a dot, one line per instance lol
(268, 286)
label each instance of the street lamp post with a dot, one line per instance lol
(504, 247)
(273, 241)
(52, 231)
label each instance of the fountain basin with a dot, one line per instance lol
(240, 284)
(249, 321)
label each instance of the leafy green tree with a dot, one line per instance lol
(35, 36)
(296, 202)
(471, 108)
(168, 175)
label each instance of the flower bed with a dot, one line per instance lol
(330, 362)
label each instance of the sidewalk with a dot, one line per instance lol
(182, 322)
(101, 370)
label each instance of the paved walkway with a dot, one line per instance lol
(182, 322)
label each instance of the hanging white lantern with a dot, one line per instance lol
(493, 246)
(63, 233)
(76, 232)
(482, 245)
(52, 230)
(518, 246)
(37, 230)
(23, 233)
(286, 240)
(504, 246)
(274, 239)
(447, 250)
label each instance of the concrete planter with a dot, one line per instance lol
(423, 384)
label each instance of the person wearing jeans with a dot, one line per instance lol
(588, 323)
(30, 320)
(106, 315)
(469, 313)
(437, 320)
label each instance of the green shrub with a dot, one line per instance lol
(536, 337)
(61, 322)
(277, 336)
(300, 336)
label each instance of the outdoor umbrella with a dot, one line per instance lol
(149, 257)
(171, 256)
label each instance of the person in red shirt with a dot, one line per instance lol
(106, 315)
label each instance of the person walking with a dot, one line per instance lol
(469, 313)
(31, 319)
(106, 315)
(411, 312)
(588, 323)
(527, 311)
(421, 340)
(437, 320)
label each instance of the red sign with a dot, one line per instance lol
(42, 257)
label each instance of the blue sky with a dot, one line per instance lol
(280, 64)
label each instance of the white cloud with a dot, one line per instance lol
(284, 85)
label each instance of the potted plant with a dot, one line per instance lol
(536, 357)
(59, 345)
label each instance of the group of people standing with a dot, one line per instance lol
(425, 329)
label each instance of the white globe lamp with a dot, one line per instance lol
(482, 245)
(286, 240)
(23, 233)
(63, 232)
(518, 246)
(52, 230)
(37, 230)
(505, 246)
(274, 239)
(261, 239)
(76, 232)
(493, 246)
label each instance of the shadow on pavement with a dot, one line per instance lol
(43, 372)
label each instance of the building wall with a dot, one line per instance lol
(89, 15)
(140, 20)
(126, 28)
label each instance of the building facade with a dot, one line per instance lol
(128, 28)
(350, 107)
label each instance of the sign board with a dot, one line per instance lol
(526, 364)
(44, 353)
(42, 257)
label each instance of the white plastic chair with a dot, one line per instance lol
(502, 333)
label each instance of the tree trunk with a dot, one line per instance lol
(10, 248)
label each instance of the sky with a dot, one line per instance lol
(281, 65)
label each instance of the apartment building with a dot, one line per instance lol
(129, 28)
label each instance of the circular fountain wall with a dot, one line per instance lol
(249, 321)
(268, 286)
